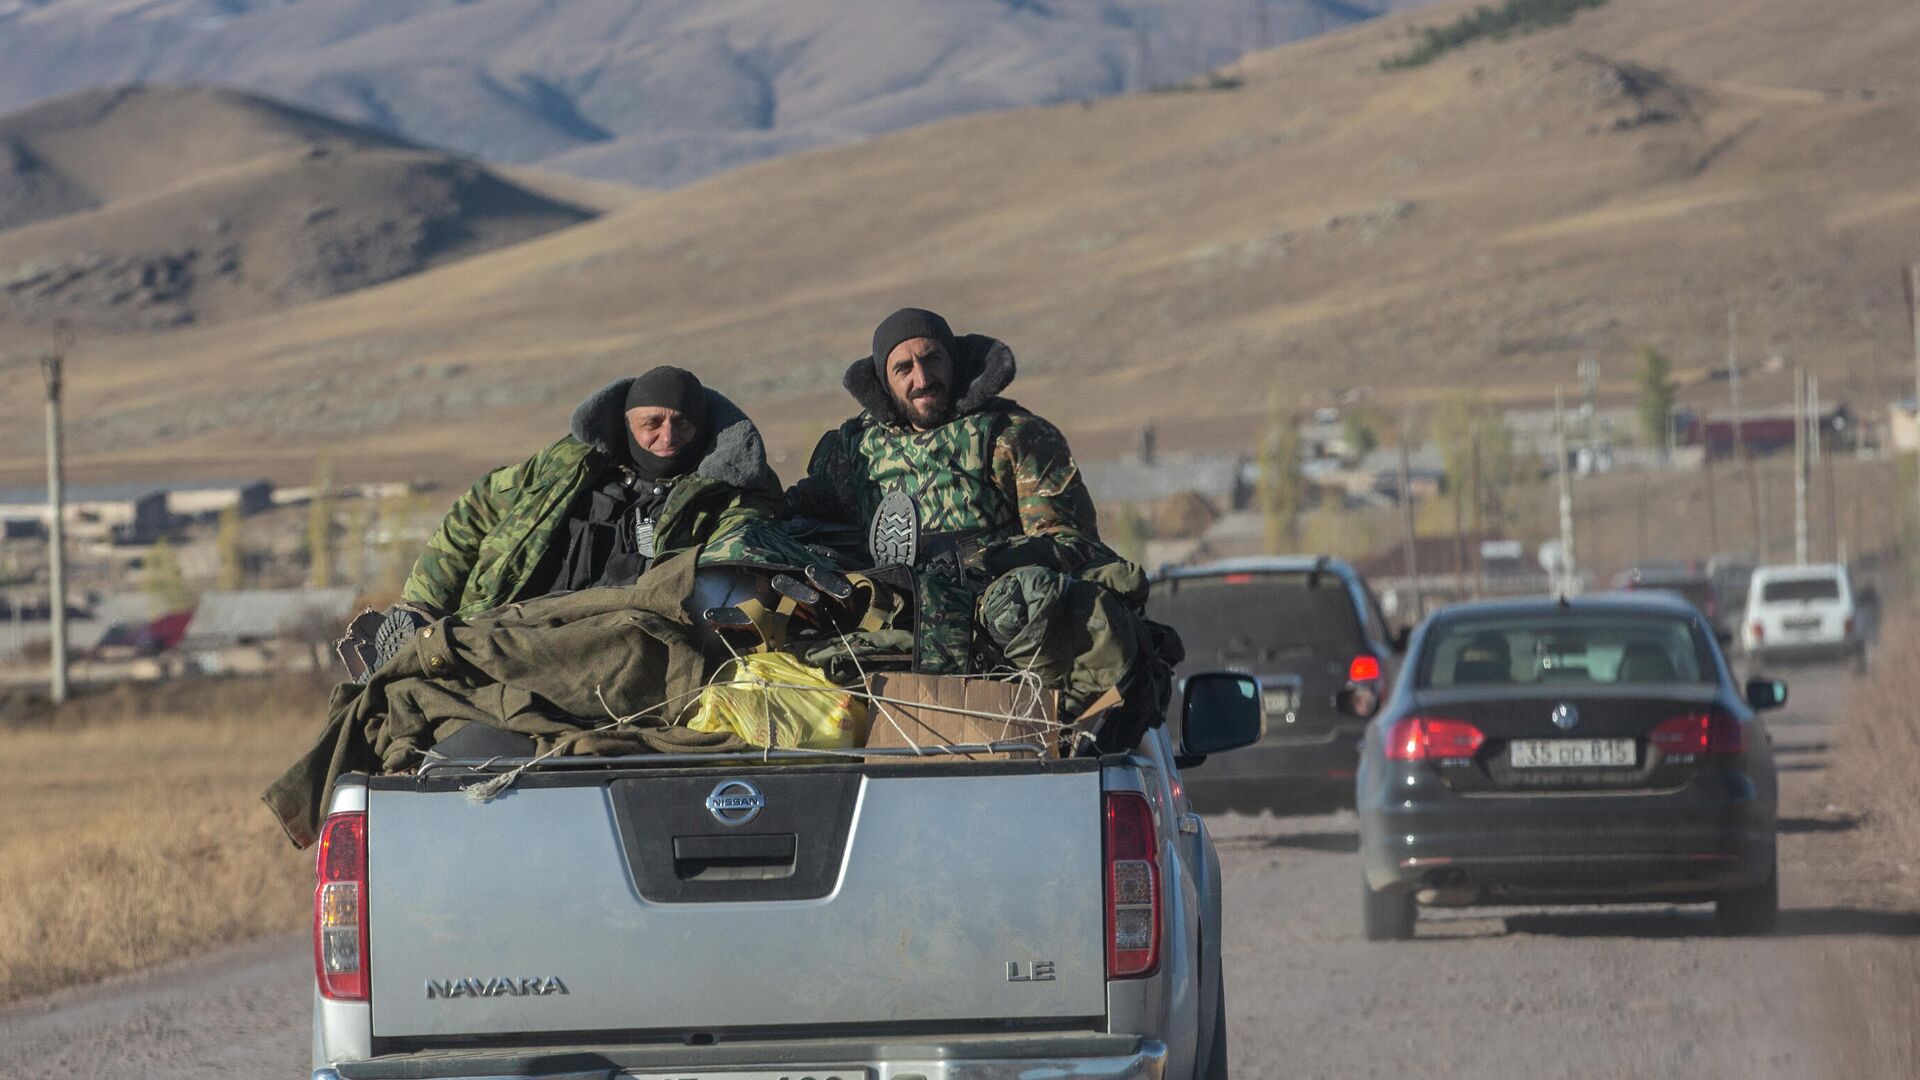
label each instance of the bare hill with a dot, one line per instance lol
(655, 93)
(1476, 225)
(146, 208)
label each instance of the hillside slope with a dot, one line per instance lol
(146, 208)
(1327, 230)
(656, 93)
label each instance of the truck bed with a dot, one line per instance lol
(617, 905)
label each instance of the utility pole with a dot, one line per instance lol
(1590, 403)
(1713, 500)
(1479, 529)
(1740, 436)
(1459, 534)
(1406, 520)
(1567, 564)
(50, 365)
(1813, 420)
(1799, 467)
(1836, 544)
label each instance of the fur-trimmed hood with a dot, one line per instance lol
(983, 369)
(736, 455)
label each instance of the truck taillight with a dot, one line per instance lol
(1429, 738)
(1132, 887)
(340, 909)
(1759, 633)
(1712, 732)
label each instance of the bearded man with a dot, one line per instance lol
(945, 475)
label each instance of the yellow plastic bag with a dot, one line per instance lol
(772, 699)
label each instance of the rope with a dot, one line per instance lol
(1028, 708)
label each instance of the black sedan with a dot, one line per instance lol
(1577, 751)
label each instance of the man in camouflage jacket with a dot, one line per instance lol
(942, 473)
(504, 539)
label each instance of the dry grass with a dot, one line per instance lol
(131, 830)
(1879, 749)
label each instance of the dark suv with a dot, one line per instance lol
(1311, 630)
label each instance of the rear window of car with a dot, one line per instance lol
(1242, 618)
(1565, 649)
(1809, 588)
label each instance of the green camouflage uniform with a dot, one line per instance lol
(498, 533)
(996, 480)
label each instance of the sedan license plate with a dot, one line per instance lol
(1571, 753)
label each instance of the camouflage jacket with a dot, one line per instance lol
(996, 483)
(995, 472)
(497, 534)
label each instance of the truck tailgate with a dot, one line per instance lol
(855, 895)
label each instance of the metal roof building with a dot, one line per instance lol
(246, 616)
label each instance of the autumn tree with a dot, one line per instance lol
(1657, 388)
(1282, 487)
(162, 581)
(229, 551)
(319, 542)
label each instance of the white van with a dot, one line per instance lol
(1801, 613)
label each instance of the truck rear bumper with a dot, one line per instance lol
(1086, 1057)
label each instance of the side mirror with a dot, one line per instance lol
(1723, 635)
(1358, 701)
(1220, 711)
(1766, 693)
(1400, 639)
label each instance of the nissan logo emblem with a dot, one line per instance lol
(735, 802)
(1565, 716)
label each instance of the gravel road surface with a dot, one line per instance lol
(1541, 994)
(1483, 993)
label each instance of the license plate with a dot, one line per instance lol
(787, 1074)
(1570, 753)
(1800, 624)
(1278, 702)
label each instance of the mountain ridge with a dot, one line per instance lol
(146, 208)
(1313, 231)
(654, 94)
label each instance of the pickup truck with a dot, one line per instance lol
(771, 916)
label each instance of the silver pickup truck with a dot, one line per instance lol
(671, 918)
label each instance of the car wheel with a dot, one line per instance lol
(1390, 913)
(1216, 1067)
(1752, 910)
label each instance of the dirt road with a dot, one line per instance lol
(1486, 994)
(1592, 992)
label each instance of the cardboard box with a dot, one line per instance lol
(931, 711)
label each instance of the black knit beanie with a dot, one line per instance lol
(676, 389)
(670, 388)
(905, 325)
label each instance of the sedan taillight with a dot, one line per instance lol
(340, 909)
(1712, 732)
(1132, 887)
(1430, 738)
